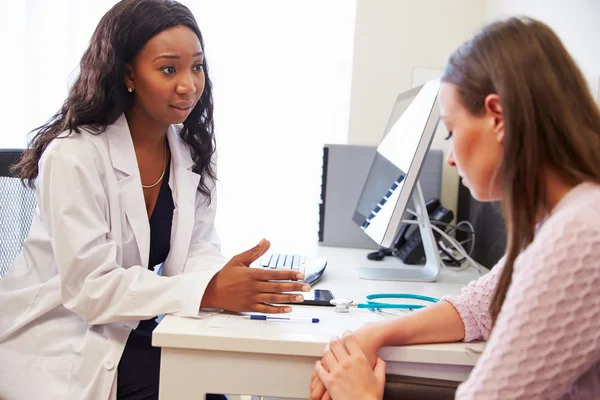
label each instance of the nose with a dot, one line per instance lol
(186, 84)
(450, 158)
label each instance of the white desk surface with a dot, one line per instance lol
(188, 338)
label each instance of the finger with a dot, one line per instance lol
(249, 256)
(282, 287)
(277, 275)
(276, 298)
(269, 309)
(326, 396)
(338, 350)
(317, 390)
(313, 379)
(329, 359)
(379, 370)
(321, 372)
(323, 362)
(351, 344)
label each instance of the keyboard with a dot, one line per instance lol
(312, 269)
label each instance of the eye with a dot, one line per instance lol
(449, 135)
(169, 70)
(199, 67)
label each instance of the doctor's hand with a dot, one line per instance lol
(349, 374)
(237, 287)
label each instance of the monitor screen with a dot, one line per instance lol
(397, 163)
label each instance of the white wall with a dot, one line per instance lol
(577, 23)
(393, 39)
(12, 110)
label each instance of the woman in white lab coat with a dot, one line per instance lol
(124, 176)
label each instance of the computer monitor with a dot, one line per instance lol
(393, 181)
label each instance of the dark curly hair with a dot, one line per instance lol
(99, 96)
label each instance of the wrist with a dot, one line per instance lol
(377, 334)
(208, 298)
(392, 333)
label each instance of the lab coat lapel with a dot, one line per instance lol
(184, 185)
(124, 161)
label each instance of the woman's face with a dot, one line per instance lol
(167, 76)
(475, 143)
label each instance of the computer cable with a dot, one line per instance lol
(471, 262)
(447, 256)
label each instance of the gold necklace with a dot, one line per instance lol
(163, 172)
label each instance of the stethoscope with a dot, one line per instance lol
(343, 305)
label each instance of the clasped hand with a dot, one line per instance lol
(237, 287)
(350, 369)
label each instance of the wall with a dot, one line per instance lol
(577, 23)
(396, 40)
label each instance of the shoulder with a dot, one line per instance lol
(569, 240)
(576, 216)
(86, 147)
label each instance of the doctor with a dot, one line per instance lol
(124, 176)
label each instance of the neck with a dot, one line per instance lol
(146, 133)
(556, 188)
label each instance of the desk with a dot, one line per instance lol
(198, 358)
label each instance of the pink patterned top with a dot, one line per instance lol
(546, 343)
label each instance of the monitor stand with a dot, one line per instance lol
(413, 273)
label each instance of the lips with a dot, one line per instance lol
(182, 106)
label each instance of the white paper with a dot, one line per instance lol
(330, 324)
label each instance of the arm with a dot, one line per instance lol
(433, 324)
(463, 317)
(205, 248)
(455, 318)
(74, 208)
(437, 323)
(546, 335)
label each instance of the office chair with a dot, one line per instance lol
(17, 205)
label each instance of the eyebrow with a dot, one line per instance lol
(173, 57)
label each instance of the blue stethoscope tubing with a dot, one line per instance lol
(370, 304)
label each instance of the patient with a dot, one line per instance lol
(523, 128)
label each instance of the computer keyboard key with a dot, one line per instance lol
(312, 269)
(265, 261)
(281, 260)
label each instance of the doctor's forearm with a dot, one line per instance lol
(438, 323)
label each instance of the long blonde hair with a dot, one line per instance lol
(550, 118)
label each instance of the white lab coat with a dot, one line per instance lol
(82, 282)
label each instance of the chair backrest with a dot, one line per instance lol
(17, 206)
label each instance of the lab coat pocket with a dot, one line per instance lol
(34, 377)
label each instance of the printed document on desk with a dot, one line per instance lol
(330, 323)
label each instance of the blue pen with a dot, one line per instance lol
(291, 319)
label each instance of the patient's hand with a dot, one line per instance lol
(369, 340)
(317, 389)
(349, 374)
